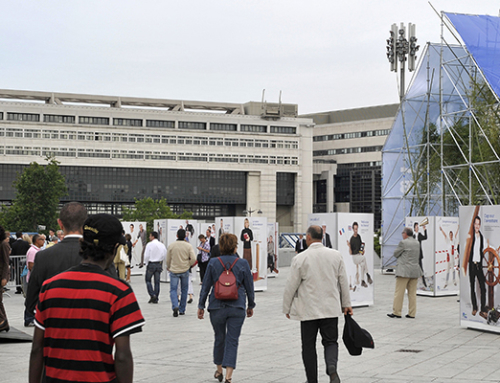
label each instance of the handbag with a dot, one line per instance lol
(124, 257)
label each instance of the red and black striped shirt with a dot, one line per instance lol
(81, 312)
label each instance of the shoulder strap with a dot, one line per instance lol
(236, 260)
(222, 263)
(224, 266)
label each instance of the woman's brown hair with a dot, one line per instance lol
(228, 244)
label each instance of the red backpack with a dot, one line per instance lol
(226, 288)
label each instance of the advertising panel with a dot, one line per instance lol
(480, 264)
(447, 274)
(252, 236)
(272, 249)
(138, 233)
(328, 221)
(355, 243)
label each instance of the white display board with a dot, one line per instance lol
(138, 232)
(339, 231)
(328, 221)
(439, 254)
(480, 265)
(354, 228)
(272, 249)
(253, 230)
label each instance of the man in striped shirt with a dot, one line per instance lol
(84, 312)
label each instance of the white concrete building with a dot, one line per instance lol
(213, 159)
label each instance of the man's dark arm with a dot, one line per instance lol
(36, 357)
(124, 363)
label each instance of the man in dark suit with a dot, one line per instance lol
(19, 247)
(300, 245)
(61, 256)
(326, 238)
(210, 239)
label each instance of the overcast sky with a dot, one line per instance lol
(322, 54)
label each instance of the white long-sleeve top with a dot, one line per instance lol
(155, 252)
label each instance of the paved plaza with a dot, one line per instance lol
(431, 348)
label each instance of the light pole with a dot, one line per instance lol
(397, 49)
(250, 211)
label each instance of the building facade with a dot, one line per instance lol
(214, 159)
(347, 155)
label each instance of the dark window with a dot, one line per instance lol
(93, 120)
(1, 115)
(253, 128)
(58, 119)
(127, 122)
(160, 124)
(283, 129)
(23, 117)
(226, 127)
(192, 125)
(285, 189)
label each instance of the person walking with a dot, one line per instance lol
(154, 256)
(61, 256)
(19, 248)
(316, 294)
(100, 314)
(38, 242)
(408, 271)
(180, 258)
(227, 317)
(203, 255)
(4, 277)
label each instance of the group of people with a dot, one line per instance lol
(78, 273)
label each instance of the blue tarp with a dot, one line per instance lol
(481, 36)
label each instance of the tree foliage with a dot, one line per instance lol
(39, 189)
(149, 209)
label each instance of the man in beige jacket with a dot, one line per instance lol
(180, 258)
(407, 273)
(316, 294)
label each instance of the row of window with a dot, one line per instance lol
(147, 155)
(344, 136)
(87, 120)
(145, 138)
(363, 149)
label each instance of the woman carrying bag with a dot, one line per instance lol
(227, 316)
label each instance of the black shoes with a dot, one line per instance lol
(176, 312)
(190, 300)
(393, 316)
(334, 378)
(218, 375)
(409, 316)
(4, 326)
(182, 313)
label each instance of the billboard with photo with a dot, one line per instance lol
(252, 246)
(328, 221)
(355, 243)
(447, 257)
(480, 265)
(272, 249)
(138, 233)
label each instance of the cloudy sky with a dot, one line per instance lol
(322, 54)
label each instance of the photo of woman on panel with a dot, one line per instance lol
(247, 238)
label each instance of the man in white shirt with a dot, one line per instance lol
(154, 255)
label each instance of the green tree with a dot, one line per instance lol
(39, 189)
(149, 209)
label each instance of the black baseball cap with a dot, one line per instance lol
(103, 230)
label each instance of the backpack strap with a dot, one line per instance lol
(224, 266)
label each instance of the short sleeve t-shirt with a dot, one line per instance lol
(81, 312)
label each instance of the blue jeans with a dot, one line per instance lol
(183, 278)
(227, 323)
(153, 269)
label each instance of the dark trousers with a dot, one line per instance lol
(328, 328)
(203, 268)
(153, 269)
(476, 271)
(227, 323)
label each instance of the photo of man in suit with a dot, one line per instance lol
(326, 238)
(300, 244)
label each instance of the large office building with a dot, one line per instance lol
(214, 159)
(347, 155)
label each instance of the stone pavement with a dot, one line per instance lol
(431, 348)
